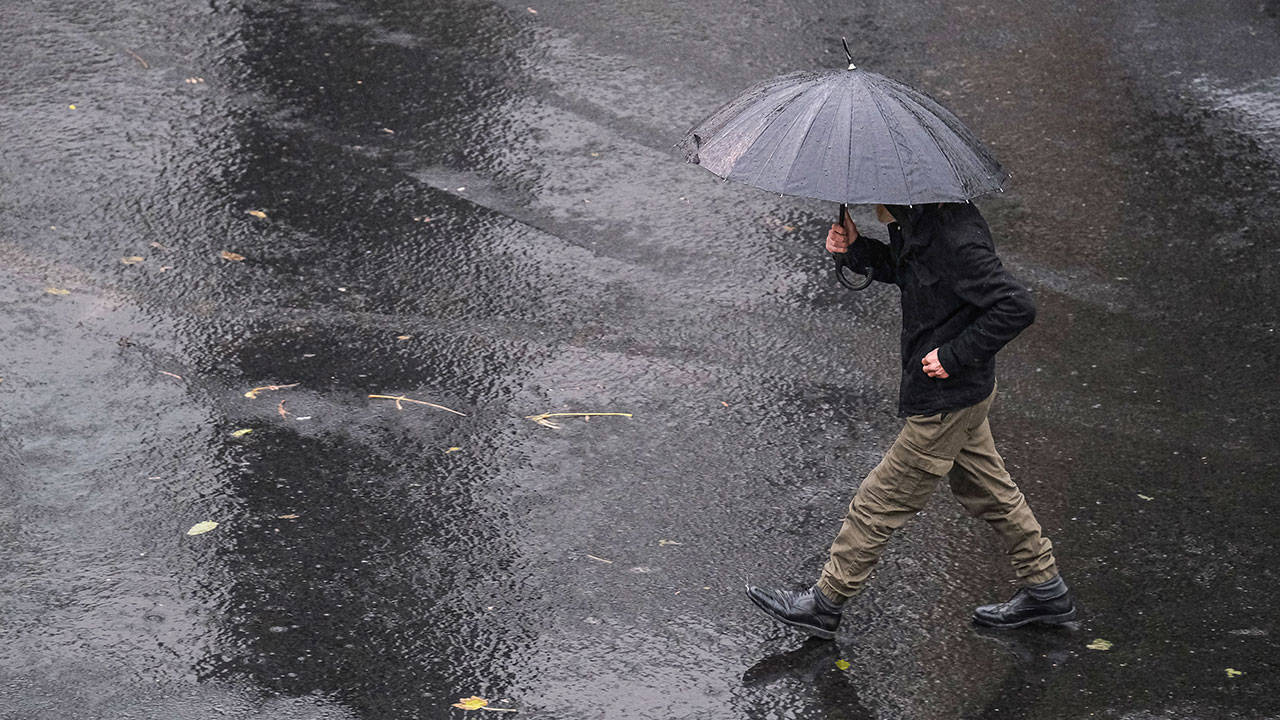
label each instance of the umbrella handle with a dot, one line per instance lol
(842, 261)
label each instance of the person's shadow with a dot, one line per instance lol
(812, 664)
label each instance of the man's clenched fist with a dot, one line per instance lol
(839, 238)
(932, 367)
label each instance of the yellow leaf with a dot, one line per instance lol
(57, 291)
(258, 214)
(202, 527)
(228, 255)
(241, 433)
(71, 107)
(404, 337)
(452, 450)
(131, 260)
(471, 703)
(1232, 672)
(842, 664)
(1099, 644)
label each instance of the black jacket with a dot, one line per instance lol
(956, 296)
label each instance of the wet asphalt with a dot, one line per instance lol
(477, 205)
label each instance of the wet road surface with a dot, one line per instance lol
(477, 205)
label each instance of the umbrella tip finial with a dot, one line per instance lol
(848, 54)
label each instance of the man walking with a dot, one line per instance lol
(959, 307)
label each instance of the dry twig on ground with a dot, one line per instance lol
(402, 399)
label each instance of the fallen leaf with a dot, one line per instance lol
(842, 664)
(542, 419)
(404, 337)
(253, 394)
(202, 527)
(668, 542)
(172, 375)
(131, 260)
(71, 107)
(290, 516)
(241, 433)
(284, 414)
(228, 255)
(389, 131)
(57, 291)
(479, 703)
(595, 154)
(157, 245)
(258, 214)
(452, 450)
(724, 403)
(788, 228)
(471, 703)
(1099, 644)
(535, 12)
(1145, 497)
(1232, 672)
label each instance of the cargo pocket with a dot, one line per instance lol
(931, 442)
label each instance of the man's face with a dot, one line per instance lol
(883, 215)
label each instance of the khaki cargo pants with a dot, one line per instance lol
(955, 444)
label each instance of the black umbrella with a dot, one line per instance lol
(849, 136)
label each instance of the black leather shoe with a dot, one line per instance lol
(1023, 609)
(798, 608)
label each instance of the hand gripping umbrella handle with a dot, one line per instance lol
(842, 261)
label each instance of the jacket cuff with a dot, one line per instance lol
(948, 358)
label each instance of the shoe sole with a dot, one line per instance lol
(811, 629)
(1065, 617)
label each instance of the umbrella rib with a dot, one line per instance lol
(830, 91)
(772, 120)
(892, 139)
(937, 144)
(718, 135)
(783, 136)
(908, 105)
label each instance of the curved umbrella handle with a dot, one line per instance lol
(842, 259)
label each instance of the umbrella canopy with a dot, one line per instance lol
(849, 136)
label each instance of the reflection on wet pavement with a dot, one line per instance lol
(476, 205)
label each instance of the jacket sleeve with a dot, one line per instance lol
(1005, 306)
(870, 253)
